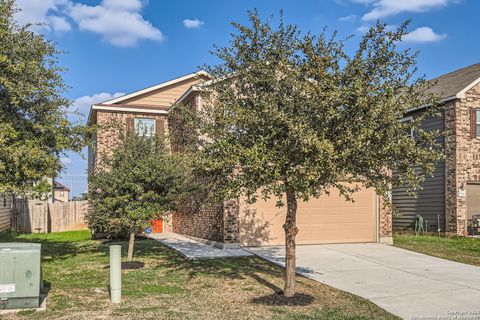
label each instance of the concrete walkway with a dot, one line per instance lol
(405, 283)
(192, 249)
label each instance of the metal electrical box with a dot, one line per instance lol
(20, 275)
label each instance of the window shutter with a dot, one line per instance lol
(130, 125)
(473, 123)
(159, 126)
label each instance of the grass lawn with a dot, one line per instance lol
(461, 249)
(170, 287)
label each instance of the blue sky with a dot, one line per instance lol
(119, 46)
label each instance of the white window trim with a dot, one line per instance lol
(143, 118)
(477, 122)
(407, 119)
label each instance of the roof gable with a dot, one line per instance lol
(453, 85)
(134, 96)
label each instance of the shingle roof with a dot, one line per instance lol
(450, 84)
(60, 186)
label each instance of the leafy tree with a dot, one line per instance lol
(34, 130)
(135, 184)
(295, 116)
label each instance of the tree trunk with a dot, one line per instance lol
(291, 231)
(131, 241)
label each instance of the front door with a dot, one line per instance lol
(157, 226)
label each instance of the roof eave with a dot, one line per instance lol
(158, 86)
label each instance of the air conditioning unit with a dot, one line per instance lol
(20, 275)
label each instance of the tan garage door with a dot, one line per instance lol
(473, 200)
(328, 219)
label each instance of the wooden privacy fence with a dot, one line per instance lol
(39, 216)
(5, 213)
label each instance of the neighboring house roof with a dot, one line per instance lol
(60, 187)
(453, 85)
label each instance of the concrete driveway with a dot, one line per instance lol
(405, 283)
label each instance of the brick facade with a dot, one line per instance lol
(215, 223)
(107, 136)
(205, 223)
(462, 159)
(384, 222)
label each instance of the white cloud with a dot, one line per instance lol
(424, 34)
(347, 18)
(65, 160)
(363, 29)
(192, 23)
(128, 5)
(43, 14)
(419, 35)
(59, 24)
(385, 8)
(119, 22)
(83, 104)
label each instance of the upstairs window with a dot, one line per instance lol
(475, 123)
(144, 127)
(408, 132)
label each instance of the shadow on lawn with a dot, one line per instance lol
(52, 249)
(236, 268)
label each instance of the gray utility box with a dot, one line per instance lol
(20, 275)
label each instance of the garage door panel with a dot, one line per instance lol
(328, 219)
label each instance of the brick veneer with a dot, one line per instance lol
(206, 223)
(107, 136)
(230, 222)
(384, 222)
(462, 163)
(215, 223)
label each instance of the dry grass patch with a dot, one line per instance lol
(170, 287)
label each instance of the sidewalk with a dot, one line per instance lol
(194, 250)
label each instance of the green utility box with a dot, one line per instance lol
(20, 275)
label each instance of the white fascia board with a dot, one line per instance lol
(461, 94)
(123, 109)
(193, 88)
(428, 105)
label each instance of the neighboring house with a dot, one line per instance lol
(451, 197)
(329, 219)
(60, 192)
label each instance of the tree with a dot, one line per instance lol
(292, 115)
(34, 129)
(135, 184)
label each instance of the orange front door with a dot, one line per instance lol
(157, 226)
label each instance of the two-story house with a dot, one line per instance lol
(328, 219)
(447, 200)
(451, 197)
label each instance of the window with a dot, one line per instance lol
(477, 123)
(61, 194)
(144, 127)
(474, 123)
(408, 119)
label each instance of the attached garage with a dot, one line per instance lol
(473, 200)
(328, 219)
